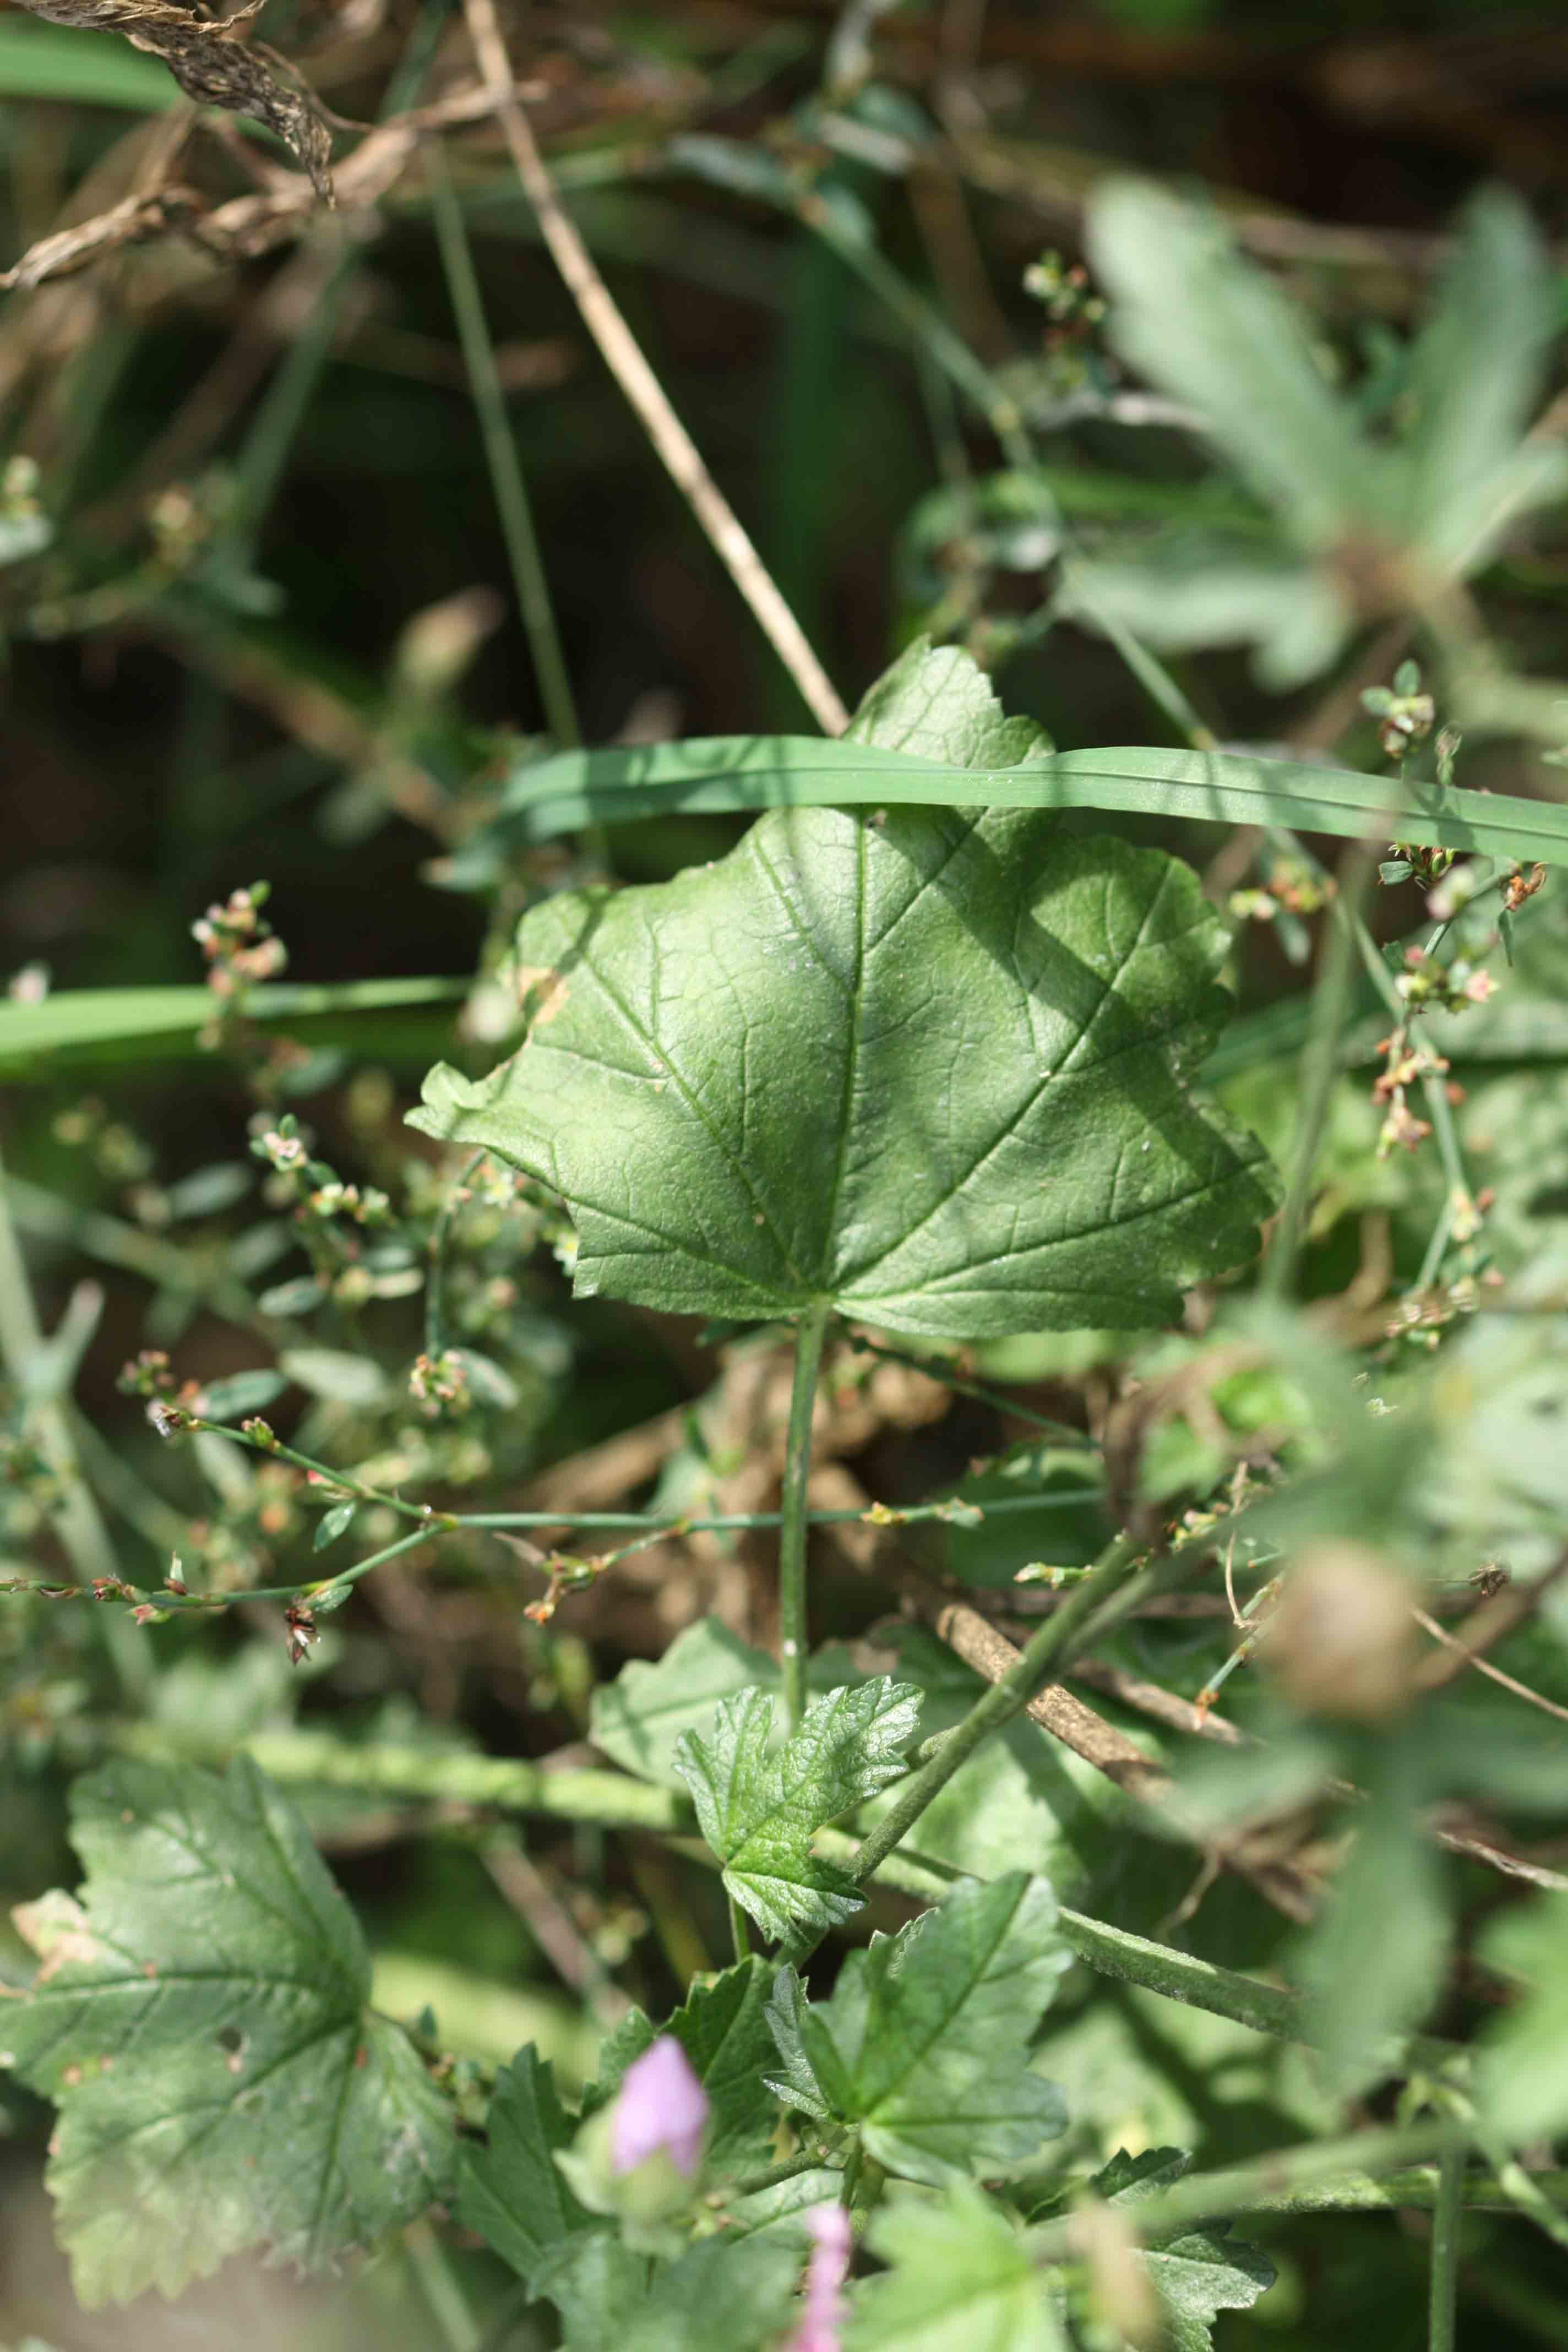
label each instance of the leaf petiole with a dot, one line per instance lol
(809, 1334)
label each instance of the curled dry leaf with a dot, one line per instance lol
(252, 225)
(212, 67)
(125, 224)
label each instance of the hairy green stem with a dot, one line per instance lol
(1447, 2220)
(308, 1758)
(1045, 1652)
(739, 1935)
(1272, 2184)
(507, 484)
(793, 1517)
(789, 2168)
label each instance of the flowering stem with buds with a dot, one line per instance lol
(434, 1339)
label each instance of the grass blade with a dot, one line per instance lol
(726, 773)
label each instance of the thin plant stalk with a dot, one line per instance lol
(943, 1369)
(739, 1935)
(1043, 1655)
(435, 1334)
(809, 1334)
(508, 486)
(441, 2289)
(1447, 2220)
(624, 356)
(1331, 999)
(1270, 2183)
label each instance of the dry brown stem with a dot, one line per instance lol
(624, 356)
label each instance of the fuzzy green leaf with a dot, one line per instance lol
(937, 703)
(240, 1394)
(1213, 328)
(1020, 1801)
(639, 1718)
(959, 2280)
(1197, 2275)
(758, 1804)
(1373, 1961)
(721, 2295)
(511, 2190)
(924, 1068)
(931, 1069)
(923, 2046)
(201, 2021)
(1523, 2076)
(1476, 374)
(723, 2028)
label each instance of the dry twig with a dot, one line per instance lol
(623, 355)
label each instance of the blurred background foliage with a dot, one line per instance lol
(260, 619)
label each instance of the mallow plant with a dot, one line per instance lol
(927, 1065)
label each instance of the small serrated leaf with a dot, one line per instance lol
(758, 1806)
(638, 1719)
(723, 2028)
(511, 2190)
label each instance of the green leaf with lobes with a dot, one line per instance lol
(1196, 2275)
(200, 2020)
(930, 1069)
(722, 2295)
(758, 1804)
(959, 2279)
(923, 2047)
(511, 2191)
(1021, 1801)
(723, 2027)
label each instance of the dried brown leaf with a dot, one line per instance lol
(130, 223)
(212, 67)
(248, 225)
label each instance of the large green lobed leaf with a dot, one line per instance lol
(923, 2047)
(930, 1069)
(200, 2018)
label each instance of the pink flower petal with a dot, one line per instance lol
(660, 2104)
(818, 2329)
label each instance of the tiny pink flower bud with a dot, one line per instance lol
(829, 2266)
(660, 2104)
